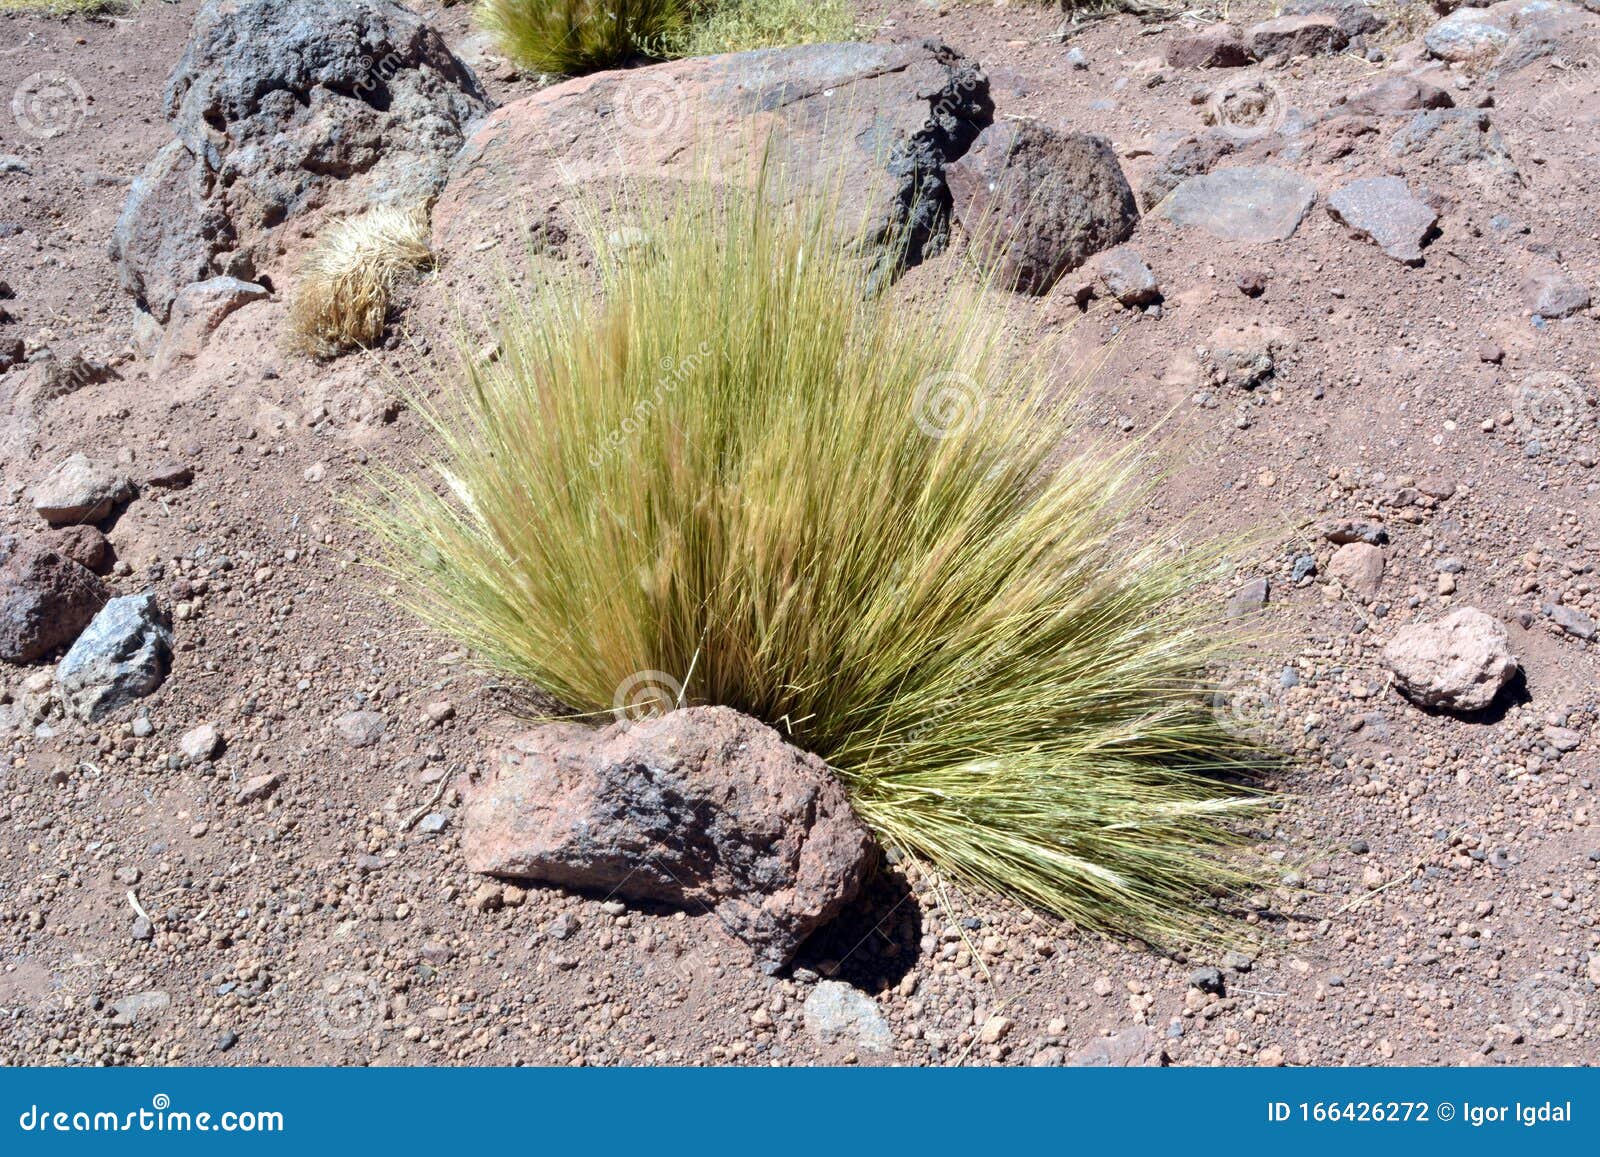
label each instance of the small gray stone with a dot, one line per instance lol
(1254, 203)
(1126, 277)
(1383, 210)
(1207, 980)
(201, 743)
(1250, 598)
(433, 823)
(123, 655)
(140, 1008)
(142, 929)
(1572, 621)
(836, 1012)
(1554, 295)
(360, 728)
(1350, 530)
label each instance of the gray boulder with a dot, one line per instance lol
(1467, 34)
(1252, 203)
(46, 599)
(79, 490)
(1039, 202)
(280, 107)
(702, 808)
(123, 655)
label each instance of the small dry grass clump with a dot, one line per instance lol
(569, 37)
(349, 277)
(737, 477)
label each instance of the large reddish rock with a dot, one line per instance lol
(1039, 202)
(703, 808)
(1318, 34)
(873, 125)
(1219, 47)
(46, 599)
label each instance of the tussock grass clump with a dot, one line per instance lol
(66, 7)
(735, 477)
(743, 25)
(568, 37)
(349, 277)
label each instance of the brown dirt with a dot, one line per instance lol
(1438, 904)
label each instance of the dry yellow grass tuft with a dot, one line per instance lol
(347, 280)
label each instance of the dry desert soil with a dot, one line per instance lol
(1440, 882)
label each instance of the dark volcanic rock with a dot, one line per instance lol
(1039, 202)
(46, 599)
(280, 107)
(702, 808)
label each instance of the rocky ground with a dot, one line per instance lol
(1367, 329)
